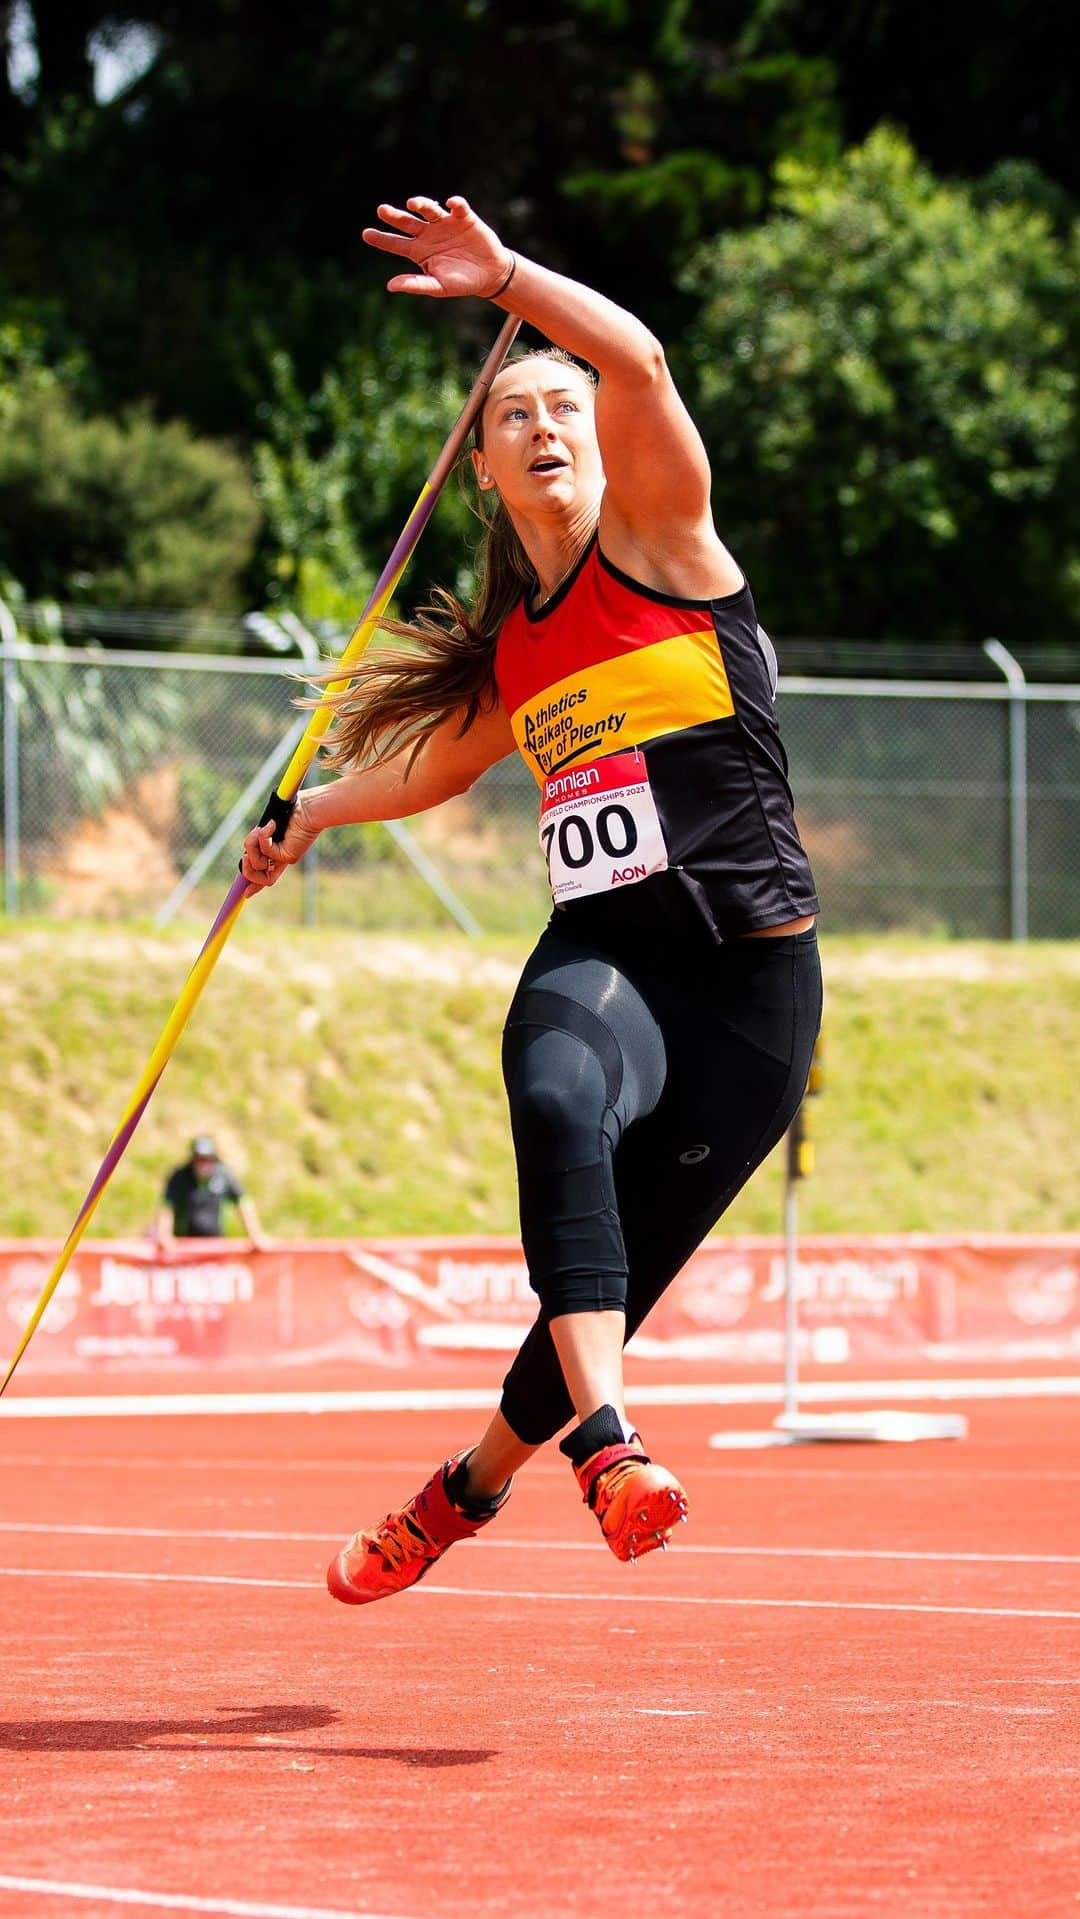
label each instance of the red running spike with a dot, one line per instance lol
(635, 1500)
(406, 1545)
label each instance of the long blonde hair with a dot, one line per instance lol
(398, 696)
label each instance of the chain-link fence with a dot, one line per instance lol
(130, 777)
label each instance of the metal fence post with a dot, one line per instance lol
(8, 641)
(398, 831)
(292, 627)
(1018, 787)
(239, 812)
(268, 630)
(309, 884)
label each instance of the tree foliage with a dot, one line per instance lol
(116, 512)
(880, 372)
(223, 190)
(338, 467)
(972, 85)
(83, 743)
(182, 188)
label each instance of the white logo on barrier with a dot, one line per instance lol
(183, 1288)
(717, 1292)
(26, 1281)
(484, 1282)
(126, 1346)
(461, 1288)
(867, 1287)
(830, 1345)
(459, 1284)
(376, 1308)
(1045, 1299)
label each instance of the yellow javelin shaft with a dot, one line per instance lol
(308, 745)
(288, 786)
(293, 778)
(290, 783)
(134, 1110)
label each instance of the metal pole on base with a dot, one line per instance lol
(791, 1278)
(793, 1428)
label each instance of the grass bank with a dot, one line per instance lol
(353, 1080)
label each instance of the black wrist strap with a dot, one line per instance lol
(276, 813)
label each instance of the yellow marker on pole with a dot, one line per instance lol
(278, 811)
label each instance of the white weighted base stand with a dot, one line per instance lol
(793, 1428)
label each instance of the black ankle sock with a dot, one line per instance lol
(455, 1489)
(602, 1428)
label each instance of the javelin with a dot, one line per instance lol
(278, 812)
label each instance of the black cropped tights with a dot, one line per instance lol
(642, 1097)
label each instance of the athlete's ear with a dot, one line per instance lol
(483, 478)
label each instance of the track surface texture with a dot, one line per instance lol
(849, 1691)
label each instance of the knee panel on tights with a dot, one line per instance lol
(563, 1082)
(558, 1102)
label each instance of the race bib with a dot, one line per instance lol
(599, 827)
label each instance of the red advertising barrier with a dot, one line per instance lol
(864, 1302)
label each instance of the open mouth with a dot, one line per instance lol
(547, 466)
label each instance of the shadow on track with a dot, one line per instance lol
(230, 1729)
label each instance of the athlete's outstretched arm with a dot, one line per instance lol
(391, 790)
(656, 466)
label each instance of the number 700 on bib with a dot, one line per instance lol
(599, 827)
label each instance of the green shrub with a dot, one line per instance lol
(204, 799)
(338, 469)
(886, 384)
(124, 512)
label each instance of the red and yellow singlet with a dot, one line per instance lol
(649, 723)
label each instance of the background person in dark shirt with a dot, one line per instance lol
(196, 1195)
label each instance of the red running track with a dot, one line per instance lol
(849, 1692)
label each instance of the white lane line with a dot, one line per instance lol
(810, 1605)
(62, 1530)
(178, 1901)
(57, 1574)
(153, 1462)
(804, 1458)
(804, 1552)
(476, 1399)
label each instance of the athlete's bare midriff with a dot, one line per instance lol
(788, 926)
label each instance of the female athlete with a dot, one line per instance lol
(659, 1042)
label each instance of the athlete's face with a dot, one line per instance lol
(540, 451)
